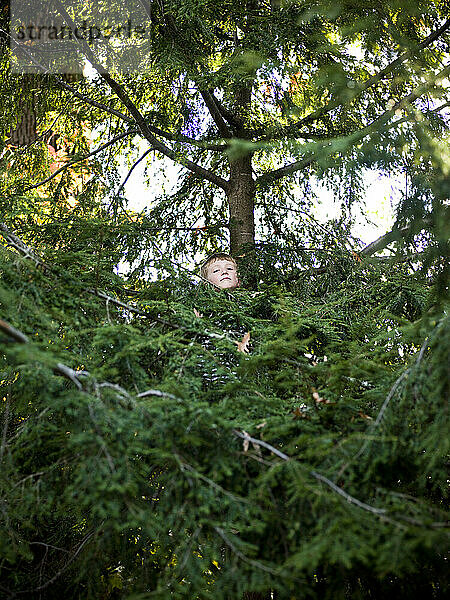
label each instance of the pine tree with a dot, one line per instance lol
(142, 454)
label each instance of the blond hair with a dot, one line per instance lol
(212, 259)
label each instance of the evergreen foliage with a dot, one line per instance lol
(168, 464)
(142, 454)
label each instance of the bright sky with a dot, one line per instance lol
(373, 219)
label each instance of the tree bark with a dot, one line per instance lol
(24, 133)
(241, 199)
(241, 192)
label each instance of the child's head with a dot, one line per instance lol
(221, 270)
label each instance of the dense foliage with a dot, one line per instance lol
(134, 476)
(143, 453)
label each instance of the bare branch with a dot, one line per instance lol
(245, 436)
(394, 235)
(139, 160)
(213, 108)
(13, 333)
(272, 176)
(348, 497)
(16, 243)
(157, 393)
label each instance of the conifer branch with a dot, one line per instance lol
(381, 512)
(384, 406)
(354, 137)
(362, 87)
(179, 137)
(394, 235)
(28, 253)
(16, 243)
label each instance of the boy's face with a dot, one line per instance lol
(223, 274)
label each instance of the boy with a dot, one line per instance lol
(220, 269)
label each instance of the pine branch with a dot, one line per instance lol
(60, 369)
(357, 135)
(28, 253)
(385, 405)
(394, 235)
(138, 117)
(381, 513)
(321, 112)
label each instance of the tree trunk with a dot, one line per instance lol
(24, 133)
(241, 195)
(241, 199)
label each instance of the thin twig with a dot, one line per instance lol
(351, 499)
(48, 546)
(61, 571)
(77, 160)
(245, 436)
(16, 243)
(241, 555)
(122, 185)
